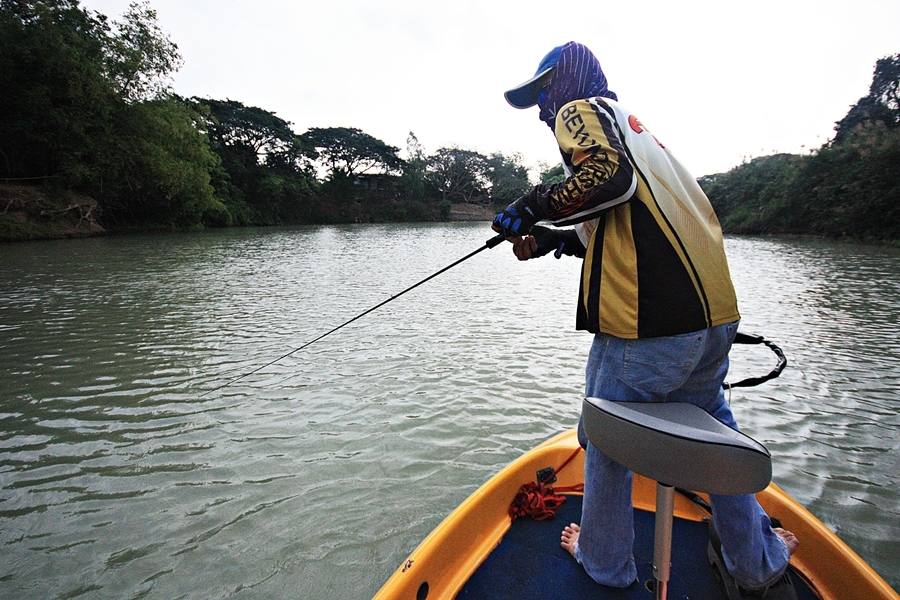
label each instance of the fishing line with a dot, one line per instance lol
(491, 243)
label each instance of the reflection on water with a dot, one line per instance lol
(316, 476)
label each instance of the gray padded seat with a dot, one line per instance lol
(677, 444)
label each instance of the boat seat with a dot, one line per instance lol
(677, 444)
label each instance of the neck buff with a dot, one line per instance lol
(577, 75)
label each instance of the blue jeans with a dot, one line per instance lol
(681, 368)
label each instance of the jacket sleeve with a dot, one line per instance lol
(602, 172)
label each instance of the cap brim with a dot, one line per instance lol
(526, 95)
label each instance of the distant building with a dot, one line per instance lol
(379, 185)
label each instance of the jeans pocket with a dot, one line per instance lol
(661, 365)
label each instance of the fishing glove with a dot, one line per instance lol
(519, 217)
(558, 241)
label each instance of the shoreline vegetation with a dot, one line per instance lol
(92, 140)
(38, 213)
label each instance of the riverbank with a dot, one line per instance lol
(37, 213)
(41, 213)
(32, 213)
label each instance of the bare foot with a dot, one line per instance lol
(790, 540)
(569, 537)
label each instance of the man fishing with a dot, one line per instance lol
(655, 291)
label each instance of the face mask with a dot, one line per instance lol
(577, 75)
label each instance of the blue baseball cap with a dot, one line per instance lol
(526, 94)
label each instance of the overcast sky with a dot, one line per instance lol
(717, 82)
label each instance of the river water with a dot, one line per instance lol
(315, 477)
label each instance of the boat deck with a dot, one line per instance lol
(529, 563)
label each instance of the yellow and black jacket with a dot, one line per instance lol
(655, 262)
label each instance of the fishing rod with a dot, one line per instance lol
(491, 243)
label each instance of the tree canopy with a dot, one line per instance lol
(263, 133)
(413, 178)
(458, 174)
(507, 176)
(881, 106)
(550, 175)
(139, 56)
(87, 108)
(348, 151)
(268, 173)
(56, 100)
(848, 187)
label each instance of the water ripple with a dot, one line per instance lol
(118, 478)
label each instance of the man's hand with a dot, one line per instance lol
(514, 221)
(524, 247)
(518, 218)
(544, 240)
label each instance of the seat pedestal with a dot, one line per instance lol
(679, 444)
(662, 538)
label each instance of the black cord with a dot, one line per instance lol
(746, 338)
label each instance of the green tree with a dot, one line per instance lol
(347, 152)
(851, 188)
(413, 177)
(754, 197)
(266, 174)
(56, 103)
(886, 84)
(68, 113)
(261, 133)
(157, 168)
(551, 175)
(507, 176)
(458, 174)
(139, 56)
(881, 107)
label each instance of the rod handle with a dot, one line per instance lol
(494, 241)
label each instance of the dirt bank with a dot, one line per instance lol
(36, 213)
(471, 212)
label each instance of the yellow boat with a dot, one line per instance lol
(478, 552)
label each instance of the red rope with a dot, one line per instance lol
(540, 501)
